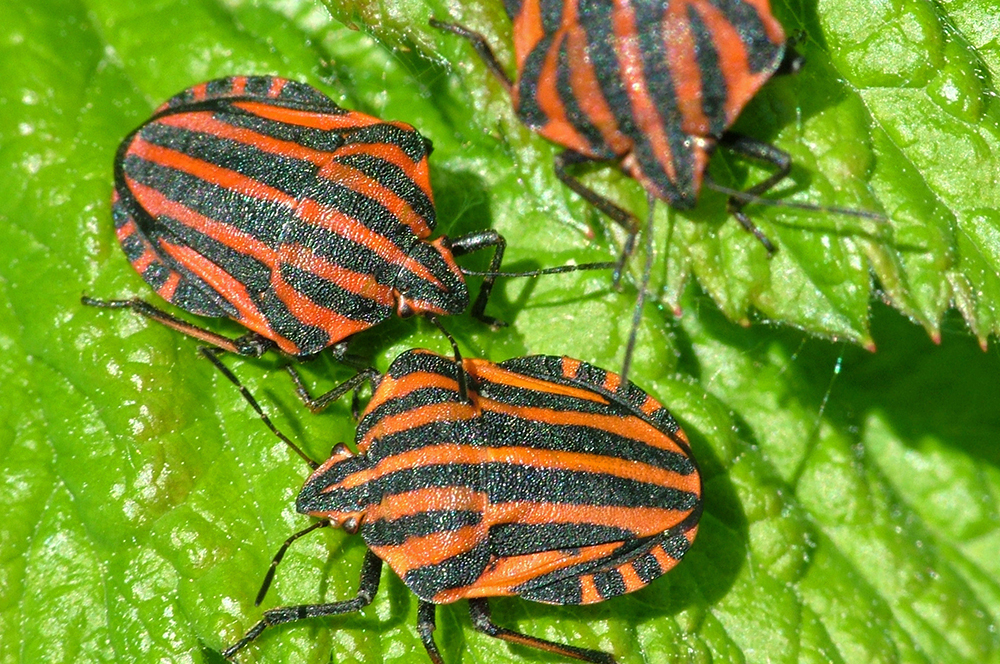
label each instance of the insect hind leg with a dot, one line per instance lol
(479, 610)
(481, 47)
(766, 153)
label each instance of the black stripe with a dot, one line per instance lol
(574, 114)
(317, 139)
(528, 109)
(395, 179)
(763, 54)
(330, 295)
(595, 18)
(647, 568)
(293, 177)
(609, 583)
(714, 93)
(395, 533)
(455, 572)
(515, 539)
(679, 190)
(409, 141)
(505, 483)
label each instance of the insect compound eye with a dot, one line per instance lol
(404, 309)
(351, 525)
(340, 450)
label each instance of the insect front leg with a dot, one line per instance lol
(371, 572)
(426, 624)
(467, 244)
(316, 404)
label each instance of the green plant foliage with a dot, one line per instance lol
(852, 495)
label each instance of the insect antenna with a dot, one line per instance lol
(463, 388)
(269, 577)
(212, 355)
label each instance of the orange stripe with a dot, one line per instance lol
(646, 116)
(203, 122)
(557, 128)
(628, 426)
(640, 521)
(430, 549)
(588, 590)
(238, 85)
(424, 500)
(313, 119)
(650, 405)
(682, 62)
(505, 573)
(144, 260)
(209, 172)
(495, 374)
(631, 578)
(277, 85)
(528, 31)
(169, 287)
(570, 367)
(127, 229)
(230, 288)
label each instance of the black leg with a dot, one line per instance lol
(211, 354)
(640, 299)
(467, 244)
(482, 49)
(425, 627)
(479, 609)
(250, 344)
(269, 577)
(765, 153)
(371, 570)
(316, 404)
(620, 216)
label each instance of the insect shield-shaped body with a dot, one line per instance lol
(650, 84)
(551, 480)
(259, 199)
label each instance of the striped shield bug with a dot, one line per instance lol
(259, 199)
(652, 85)
(540, 477)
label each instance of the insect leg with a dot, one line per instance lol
(316, 404)
(762, 152)
(625, 219)
(479, 609)
(481, 47)
(371, 571)
(467, 244)
(250, 345)
(425, 627)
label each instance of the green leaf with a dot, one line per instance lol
(852, 497)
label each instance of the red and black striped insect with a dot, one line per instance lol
(653, 85)
(258, 199)
(541, 477)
